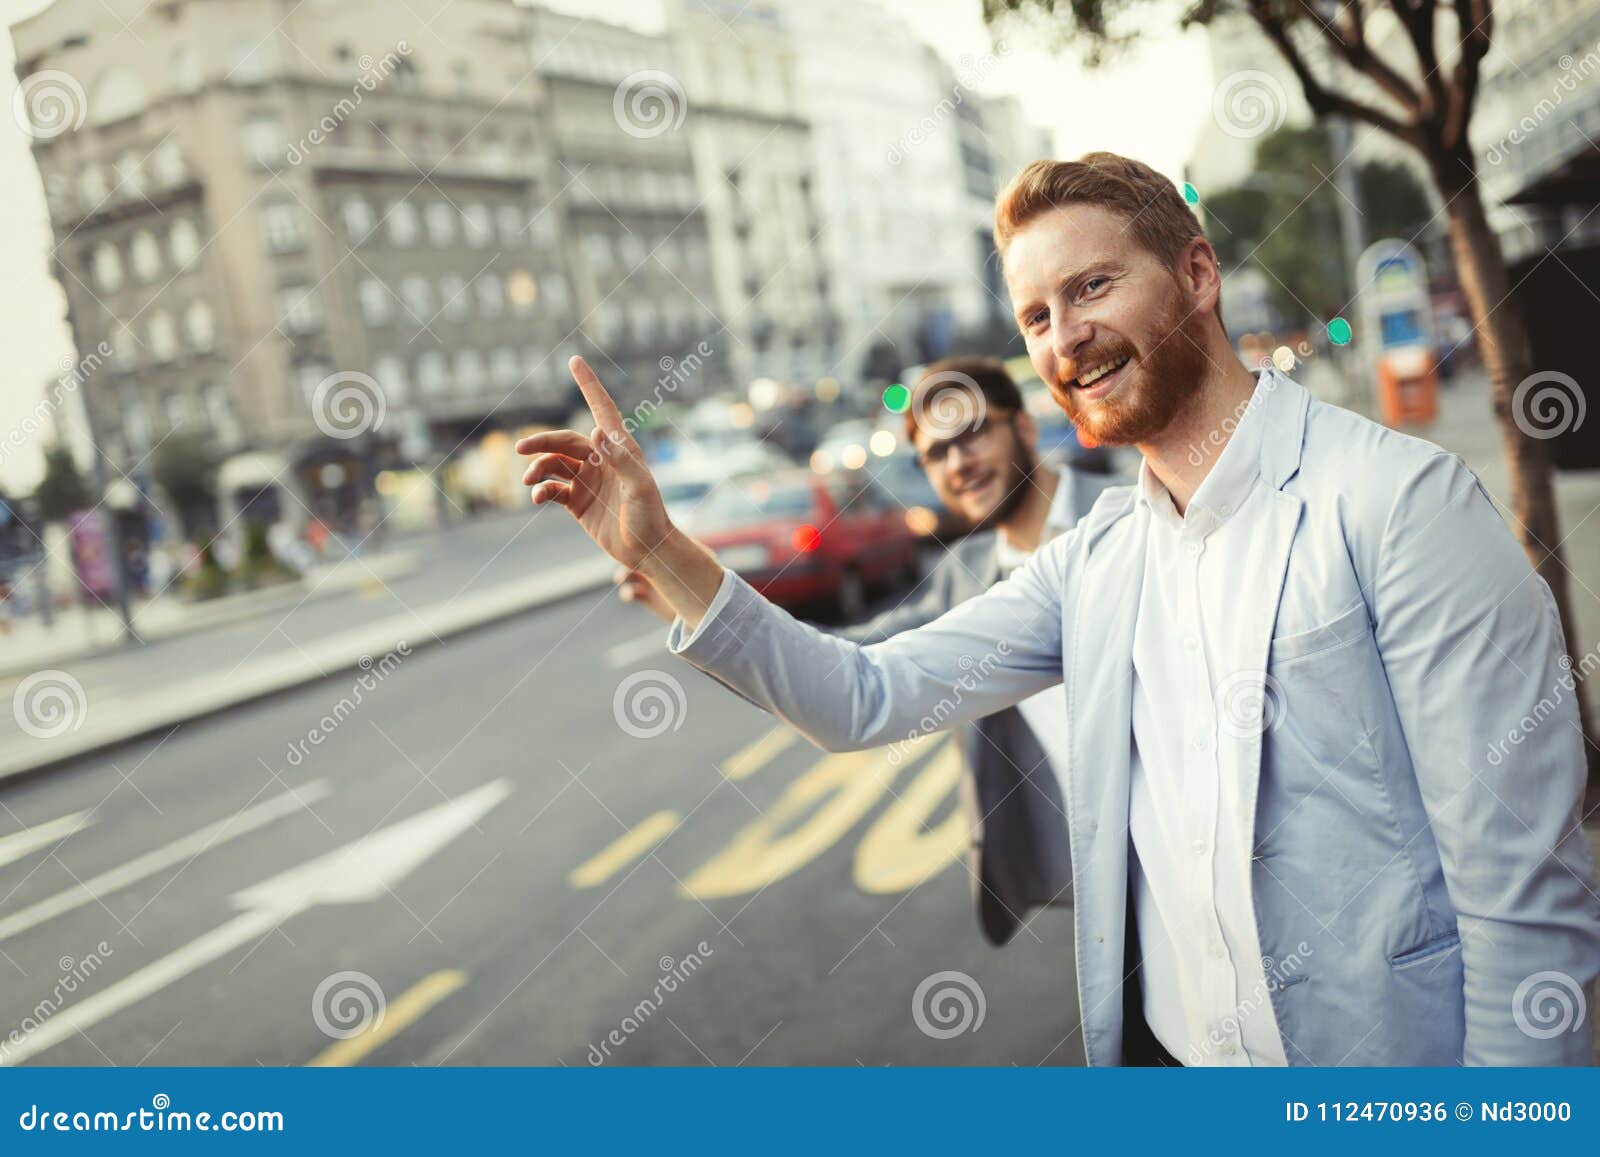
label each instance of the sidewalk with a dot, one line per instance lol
(80, 632)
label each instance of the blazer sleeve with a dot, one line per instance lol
(990, 652)
(1472, 646)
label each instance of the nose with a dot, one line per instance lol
(1069, 333)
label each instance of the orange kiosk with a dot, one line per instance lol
(1398, 319)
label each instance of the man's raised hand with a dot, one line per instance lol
(602, 480)
(604, 483)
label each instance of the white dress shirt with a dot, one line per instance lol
(1192, 785)
(1046, 712)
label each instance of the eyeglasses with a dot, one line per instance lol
(974, 438)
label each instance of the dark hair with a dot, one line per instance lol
(988, 375)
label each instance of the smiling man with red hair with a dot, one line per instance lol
(1286, 653)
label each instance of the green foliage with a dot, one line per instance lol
(62, 489)
(185, 466)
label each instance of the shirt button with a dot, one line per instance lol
(1199, 847)
(1217, 949)
(1230, 1049)
(1194, 549)
(1191, 643)
(1199, 743)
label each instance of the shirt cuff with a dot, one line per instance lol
(680, 641)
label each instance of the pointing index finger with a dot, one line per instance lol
(606, 414)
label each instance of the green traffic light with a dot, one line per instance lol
(896, 398)
(1339, 332)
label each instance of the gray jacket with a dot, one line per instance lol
(1022, 858)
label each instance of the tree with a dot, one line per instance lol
(62, 490)
(1427, 105)
(185, 466)
(1281, 217)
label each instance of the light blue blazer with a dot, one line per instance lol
(1417, 847)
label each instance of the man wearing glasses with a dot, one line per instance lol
(978, 445)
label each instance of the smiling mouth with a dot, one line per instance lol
(976, 484)
(1100, 372)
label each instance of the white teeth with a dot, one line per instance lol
(1099, 372)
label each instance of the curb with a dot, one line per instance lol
(354, 648)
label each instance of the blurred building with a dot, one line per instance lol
(637, 241)
(752, 156)
(263, 197)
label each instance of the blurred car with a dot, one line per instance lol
(690, 473)
(907, 483)
(804, 539)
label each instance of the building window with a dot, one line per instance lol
(249, 60)
(146, 255)
(441, 220)
(642, 317)
(280, 224)
(177, 407)
(403, 223)
(185, 69)
(556, 298)
(631, 250)
(300, 308)
(491, 295)
(391, 374)
(198, 327)
(107, 267)
(453, 300)
(167, 163)
(92, 188)
(476, 225)
(418, 298)
(374, 296)
(263, 139)
(219, 411)
(522, 291)
(358, 221)
(183, 243)
(431, 374)
(534, 362)
(311, 375)
(469, 369)
(130, 174)
(124, 347)
(597, 251)
(162, 337)
(503, 367)
(508, 218)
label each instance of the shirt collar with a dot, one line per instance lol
(1230, 480)
(1057, 520)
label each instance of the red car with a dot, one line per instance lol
(803, 539)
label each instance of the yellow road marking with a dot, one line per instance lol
(401, 1014)
(745, 763)
(624, 850)
(899, 851)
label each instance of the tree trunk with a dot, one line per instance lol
(1503, 344)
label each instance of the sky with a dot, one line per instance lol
(1149, 105)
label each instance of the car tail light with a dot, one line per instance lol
(805, 539)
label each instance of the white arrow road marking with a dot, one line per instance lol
(19, 844)
(362, 870)
(183, 848)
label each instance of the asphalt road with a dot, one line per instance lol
(603, 857)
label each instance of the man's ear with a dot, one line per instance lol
(1201, 274)
(1027, 429)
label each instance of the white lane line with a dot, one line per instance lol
(358, 872)
(629, 653)
(19, 844)
(165, 856)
